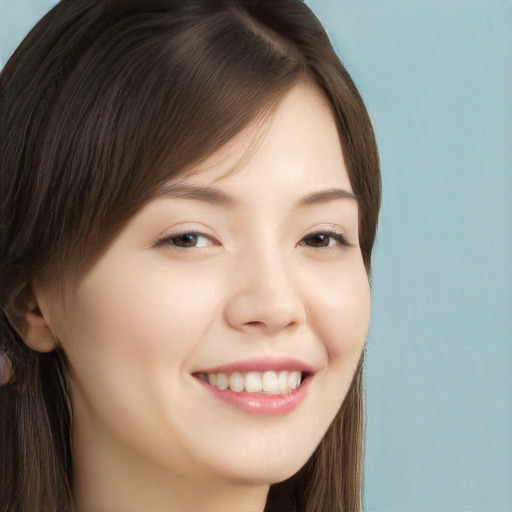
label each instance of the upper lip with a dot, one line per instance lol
(261, 364)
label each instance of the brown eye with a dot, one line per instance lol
(186, 241)
(323, 240)
(318, 240)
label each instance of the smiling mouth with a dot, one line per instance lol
(262, 383)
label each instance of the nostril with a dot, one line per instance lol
(270, 326)
(256, 324)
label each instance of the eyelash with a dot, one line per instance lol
(169, 240)
(340, 238)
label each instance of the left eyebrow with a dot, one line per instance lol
(325, 196)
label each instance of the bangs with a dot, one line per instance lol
(148, 94)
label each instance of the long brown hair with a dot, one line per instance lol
(104, 102)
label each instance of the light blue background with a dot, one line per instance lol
(437, 79)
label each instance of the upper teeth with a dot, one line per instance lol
(256, 382)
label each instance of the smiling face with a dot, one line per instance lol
(227, 280)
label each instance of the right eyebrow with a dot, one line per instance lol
(198, 193)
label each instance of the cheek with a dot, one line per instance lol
(145, 314)
(342, 313)
(341, 320)
(129, 338)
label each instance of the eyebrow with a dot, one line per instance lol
(325, 196)
(214, 196)
(199, 193)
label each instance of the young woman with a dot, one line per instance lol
(189, 193)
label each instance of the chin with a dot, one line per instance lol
(270, 472)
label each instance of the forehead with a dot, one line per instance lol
(299, 142)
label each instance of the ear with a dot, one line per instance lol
(38, 333)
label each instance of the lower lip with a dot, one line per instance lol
(262, 405)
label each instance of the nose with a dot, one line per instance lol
(265, 296)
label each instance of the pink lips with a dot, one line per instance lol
(262, 404)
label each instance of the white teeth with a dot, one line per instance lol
(236, 382)
(253, 382)
(283, 381)
(222, 381)
(269, 382)
(294, 380)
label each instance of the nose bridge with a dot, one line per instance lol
(266, 293)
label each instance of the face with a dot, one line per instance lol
(218, 335)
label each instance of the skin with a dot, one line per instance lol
(147, 435)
